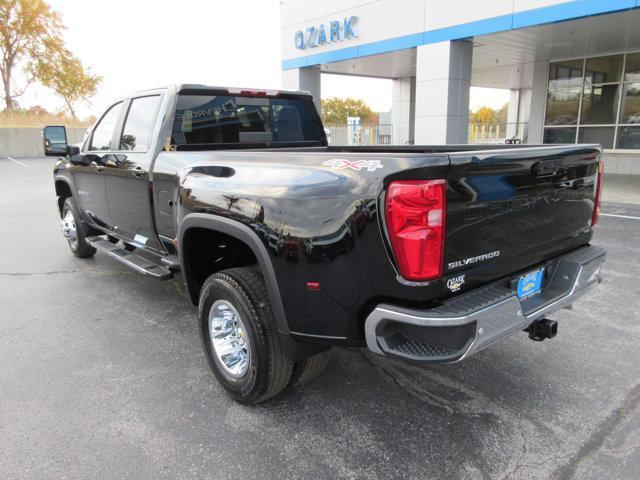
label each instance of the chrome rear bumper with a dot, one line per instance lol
(473, 321)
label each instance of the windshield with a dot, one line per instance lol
(227, 120)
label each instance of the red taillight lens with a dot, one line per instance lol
(415, 216)
(596, 200)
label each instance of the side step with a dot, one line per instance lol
(130, 259)
(172, 262)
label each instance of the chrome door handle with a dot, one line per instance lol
(99, 168)
(138, 172)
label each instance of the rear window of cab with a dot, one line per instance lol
(210, 120)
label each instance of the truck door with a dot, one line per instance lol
(127, 174)
(90, 179)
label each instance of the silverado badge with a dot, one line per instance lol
(472, 260)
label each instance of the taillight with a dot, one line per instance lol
(415, 217)
(596, 200)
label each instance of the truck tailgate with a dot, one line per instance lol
(511, 209)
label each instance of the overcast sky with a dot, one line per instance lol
(140, 44)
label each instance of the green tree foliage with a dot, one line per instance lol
(29, 32)
(66, 76)
(336, 110)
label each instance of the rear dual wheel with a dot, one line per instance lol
(241, 341)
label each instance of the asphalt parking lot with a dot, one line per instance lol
(102, 376)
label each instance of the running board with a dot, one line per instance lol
(130, 259)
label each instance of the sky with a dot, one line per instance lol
(141, 44)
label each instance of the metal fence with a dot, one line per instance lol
(498, 133)
(383, 134)
(360, 134)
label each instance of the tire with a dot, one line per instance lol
(306, 370)
(75, 230)
(235, 303)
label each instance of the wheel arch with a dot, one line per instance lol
(63, 191)
(294, 349)
(243, 234)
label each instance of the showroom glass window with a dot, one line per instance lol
(594, 100)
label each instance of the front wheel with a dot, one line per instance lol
(240, 337)
(74, 231)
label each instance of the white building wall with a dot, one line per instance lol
(307, 79)
(403, 110)
(443, 82)
(524, 115)
(513, 112)
(380, 20)
(538, 101)
(439, 14)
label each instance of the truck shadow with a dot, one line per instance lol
(508, 407)
(369, 414)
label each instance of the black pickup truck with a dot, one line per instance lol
(289, 246)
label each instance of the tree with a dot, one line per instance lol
(485, 115)
(37, 111)
(336, 110)
(66, 76)
(29, 31)
(501, 114)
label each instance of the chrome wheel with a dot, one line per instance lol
(228, 337)
(68, 227)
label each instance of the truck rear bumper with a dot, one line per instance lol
(473, 321)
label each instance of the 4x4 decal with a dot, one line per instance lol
(341, 164)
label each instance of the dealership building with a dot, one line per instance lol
(572, 68)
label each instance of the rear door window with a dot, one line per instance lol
(138, 126)
(103, 133)
(226, 120)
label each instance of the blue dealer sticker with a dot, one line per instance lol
(530, 284)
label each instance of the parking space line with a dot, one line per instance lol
(18, 162)
(619, 216)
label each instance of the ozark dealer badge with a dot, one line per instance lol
(455, 283)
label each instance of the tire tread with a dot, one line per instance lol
(84, 249)
(249, 284)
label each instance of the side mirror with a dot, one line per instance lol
(55, 141)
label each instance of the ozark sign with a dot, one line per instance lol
(334, 31)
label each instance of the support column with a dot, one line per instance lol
(307, 78)
(403, 107)
(524, 114)
(513, 112)
(538, 101)
(443, 82)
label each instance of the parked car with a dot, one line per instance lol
(467, 246)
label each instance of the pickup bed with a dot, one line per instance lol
(289, 246)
